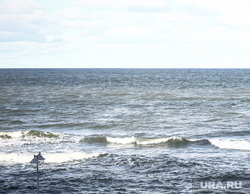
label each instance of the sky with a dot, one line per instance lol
(124, 34)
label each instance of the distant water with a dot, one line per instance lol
(125, 130)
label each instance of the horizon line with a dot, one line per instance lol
(124, 67)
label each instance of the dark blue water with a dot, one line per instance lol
(125, 130)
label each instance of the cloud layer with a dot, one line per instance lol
(124, 33)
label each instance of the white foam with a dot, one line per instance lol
(119, 140)
(13, 134)
(15, 158)
(140, 141)
(18, 138)
(49, 157)
(12, 138)
(66, 157)
(231, 144)
(152, 141)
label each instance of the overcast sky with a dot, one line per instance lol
(125, 33)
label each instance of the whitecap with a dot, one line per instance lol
(231, 144)
(120, 140)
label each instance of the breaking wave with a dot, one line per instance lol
(27, 134)
(19, 138)
(174, 141)
(139, 141)
(24, 137)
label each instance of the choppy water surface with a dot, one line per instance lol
(125, 130)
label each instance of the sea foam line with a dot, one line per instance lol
(145, 141)
(49, 157)
(231, 144)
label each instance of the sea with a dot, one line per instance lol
(125, 130)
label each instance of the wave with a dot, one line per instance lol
(231, 144)
(139, 141)
(235, 133)
(49, 157)
(33, 136)
(25, 134)
(19, 138)
(174, 141)
(59, 125)
(17, 122)
(34, 133)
